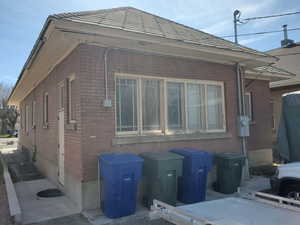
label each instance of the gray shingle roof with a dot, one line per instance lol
(273, 69)
(135, 20)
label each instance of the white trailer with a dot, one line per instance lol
(255, 209)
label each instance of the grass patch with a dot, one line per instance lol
(5, 136)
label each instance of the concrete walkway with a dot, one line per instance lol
(36, 209)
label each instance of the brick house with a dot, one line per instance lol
(123, 80)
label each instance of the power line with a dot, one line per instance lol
(271, 16)
(259, 33)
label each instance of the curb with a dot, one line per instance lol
(13, 202)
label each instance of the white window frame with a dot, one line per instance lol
(61, 99)
(183, 108)
(33, 114)
(70, 79)
(138, 106)
(45, 109)
(26, 119)
(250, 105)
(163, 102)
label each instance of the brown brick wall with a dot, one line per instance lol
(98, 124)
(46, 139)
(261, 127)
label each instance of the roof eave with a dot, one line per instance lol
(31, 56)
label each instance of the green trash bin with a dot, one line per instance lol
(160, 172)
(229, 171)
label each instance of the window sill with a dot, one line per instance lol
(71, 126)
(123, 140)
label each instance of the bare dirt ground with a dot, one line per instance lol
(4, 210)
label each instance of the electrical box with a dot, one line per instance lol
(243, 126)
(107, 103)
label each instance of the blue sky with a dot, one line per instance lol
(21, 22)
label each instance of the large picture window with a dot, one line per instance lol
(166, 106)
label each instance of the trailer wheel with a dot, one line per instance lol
(291, 190)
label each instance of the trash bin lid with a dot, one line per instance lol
(158, 156)
(119, 158)
(230, 155)
(199, 156)
(191, 152)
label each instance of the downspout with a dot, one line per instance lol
(241, 118)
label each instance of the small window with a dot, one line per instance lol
(151, 104)
(175, 105)
(126, 103)
(26, 118)
(248, 105)
(33, 114)
(21, 118)
(46, 109)
(61, 96)
(215, 114)
(195, 106)
(71, 100)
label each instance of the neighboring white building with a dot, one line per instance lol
(290, 61)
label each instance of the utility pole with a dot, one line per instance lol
(242, 120)
(236, 15)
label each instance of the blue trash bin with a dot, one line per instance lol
(119, 175)
(192, 183)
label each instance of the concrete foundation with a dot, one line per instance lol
(260, 157)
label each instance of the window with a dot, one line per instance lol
(165, 106)
(175, 104)
(126, 105)
(61, 96)
(214, 107)
(71, 100)
(196, 106)
(26, 118)
(151, 104)
(33, 114)
(248, 105)
(45, 109)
